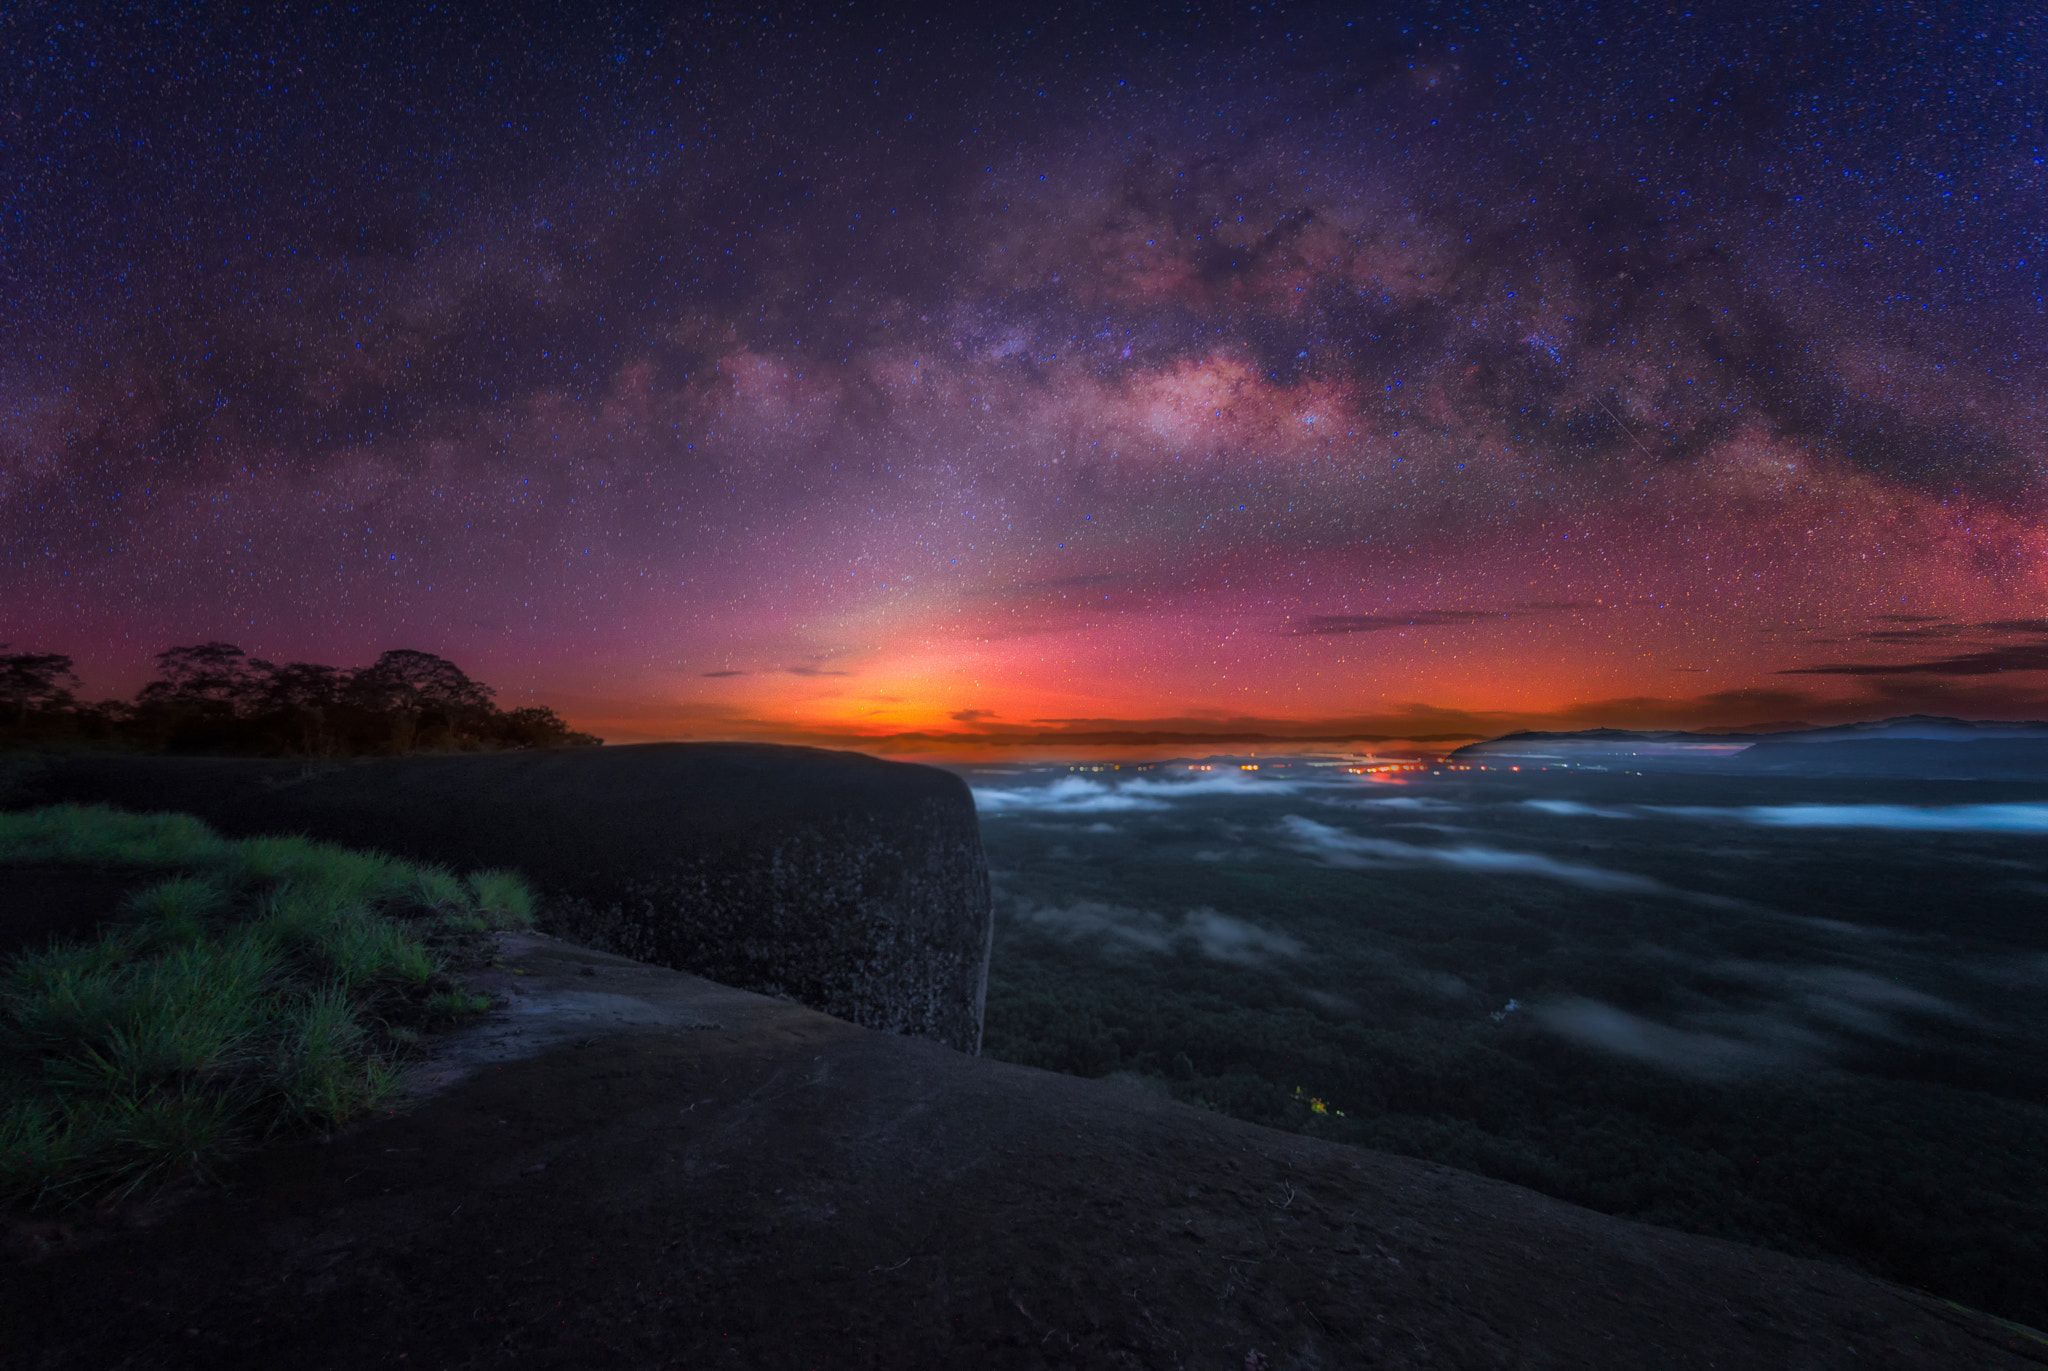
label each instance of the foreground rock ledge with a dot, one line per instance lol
(637, 1168)
(850, 884)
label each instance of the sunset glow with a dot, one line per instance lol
(1288, 375)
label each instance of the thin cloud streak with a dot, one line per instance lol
(1082, 795)
(1989, 818)
(1340, 848)
(1213, 934)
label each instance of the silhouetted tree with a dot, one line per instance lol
(305, 685)
(34, 683)
(214, 697)
(203, 699)
(213, 680)
(536, 726)
(304, 708)
(427, 698)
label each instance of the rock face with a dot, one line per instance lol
(851, 885)
(631, 1168)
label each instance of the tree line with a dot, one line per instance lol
(214, 697)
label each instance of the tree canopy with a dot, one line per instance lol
(215, 697)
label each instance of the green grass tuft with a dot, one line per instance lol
(455, 1004)
(39, 1146)
(363, 950)
(342, 874)
(503, 897)
(150, 1138)
(327, 1075)
(62, 996)
(437, 889)
(99, 836)
(189, 1014)
(176, 911)
(253, 990)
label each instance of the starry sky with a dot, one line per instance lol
(905, 378)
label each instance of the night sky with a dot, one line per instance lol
(830, 374)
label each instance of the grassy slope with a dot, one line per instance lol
(260, 987)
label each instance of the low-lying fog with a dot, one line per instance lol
(1662, 995)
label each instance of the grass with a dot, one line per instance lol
(262, 987)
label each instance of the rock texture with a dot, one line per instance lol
(851, 885)
(635, 1169)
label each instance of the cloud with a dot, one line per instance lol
(1989, 661)
(1843, 996)
(1806, 1016)
(1415, 802)
(1317, 625)
(1340, 848)
(852, 379)
(714, 674)
(1067, 795)
(1335, 1004)
(814, 671)
(971, 716)
(1083, 795)
(1706, 1056)
(1216, 936)
(1224, 939)
(1572, 808)
(1988, 818)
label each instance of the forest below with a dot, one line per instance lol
(1648, 995)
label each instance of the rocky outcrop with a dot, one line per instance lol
(630, 1168)
(851, 885)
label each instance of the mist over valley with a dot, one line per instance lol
(1802, 1011)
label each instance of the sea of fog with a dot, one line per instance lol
(1879, 900)
(1665, 996)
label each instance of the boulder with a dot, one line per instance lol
(849, 884)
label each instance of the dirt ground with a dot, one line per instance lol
(631, 1167)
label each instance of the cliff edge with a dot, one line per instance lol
(849, 884)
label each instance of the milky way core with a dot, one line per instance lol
(1009, 373)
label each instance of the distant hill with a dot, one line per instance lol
(1916, 745)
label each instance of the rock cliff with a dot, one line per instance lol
(851, 885)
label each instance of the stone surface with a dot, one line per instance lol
(632, 1168)
(849, 884)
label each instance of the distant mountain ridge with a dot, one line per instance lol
(1914, 745)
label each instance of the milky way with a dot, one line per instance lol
(808, 374)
